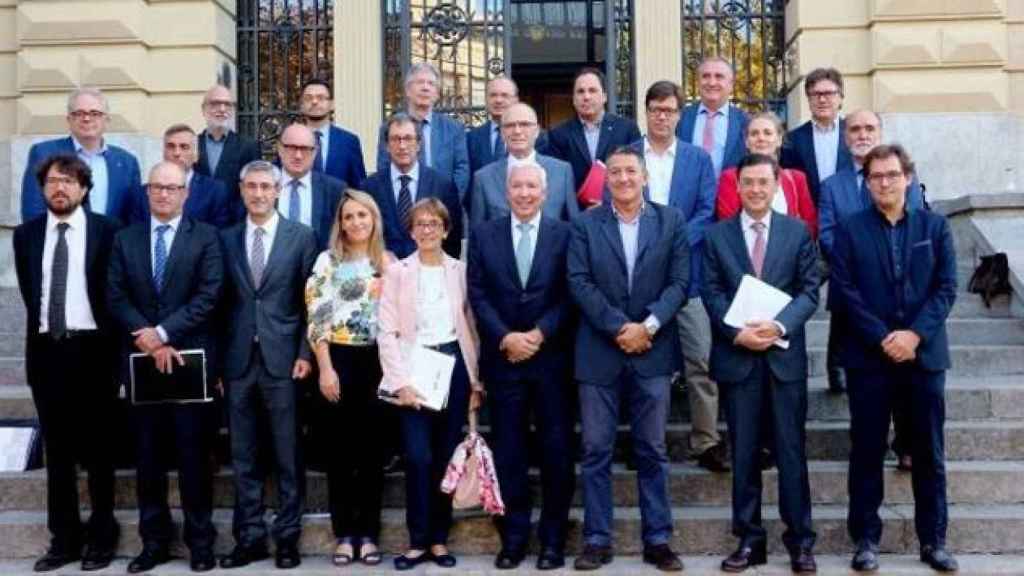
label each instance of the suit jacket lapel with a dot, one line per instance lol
(680, 168)
(508, 255)
(280, 247)
(578, 139)
(646, 234)
(37, 240)
(144, 257)
(610, 226)
(773, 250)
(317, 195)
(228, 155)
(739, 245)
(810, 160)
(243, 256)
(93, 230)
(604, 135)
(177, 247)
(880, 246)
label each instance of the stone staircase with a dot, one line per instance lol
(984, 443)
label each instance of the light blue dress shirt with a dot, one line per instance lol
(97, 162)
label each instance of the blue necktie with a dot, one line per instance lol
(318, 163)
(294, 207)
(160, 257)
(499, 145)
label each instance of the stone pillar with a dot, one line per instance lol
(358, 72)
(658, 30)
(947, 77)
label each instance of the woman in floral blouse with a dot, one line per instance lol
(341, 297)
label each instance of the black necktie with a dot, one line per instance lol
(59, 285)
(404, 197)
(318, 162)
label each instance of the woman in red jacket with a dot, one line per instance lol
(764, 136)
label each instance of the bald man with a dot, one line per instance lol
(222, 151)
(307, 197)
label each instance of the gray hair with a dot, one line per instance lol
(419, 67)
(530, 165)
(87, 91)
(403, 118)
(717, 59)
(261, 166)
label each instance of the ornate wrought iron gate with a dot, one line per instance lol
(281, 44)
(748, 33)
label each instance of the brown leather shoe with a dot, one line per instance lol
(744, 557)
(663, 558)
(715, 459)
(802, 562)
(593, 557)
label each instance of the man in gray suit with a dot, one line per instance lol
(267, 260)
(519, 129)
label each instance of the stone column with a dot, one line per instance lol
(358, 72)
(658, 30)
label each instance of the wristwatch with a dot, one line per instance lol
(652, 325)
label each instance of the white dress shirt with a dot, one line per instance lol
(630, 233)
(77, 310)
(305, 197)
(168, 242)
(592, 134)
(826, 148)
(97, 162)
(517, 234)
(659, 171)
(269, 232)
(530, 159)
(396, 181)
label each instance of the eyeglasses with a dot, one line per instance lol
(315, 98)
(220, 104)
(90, 114)
(60, 180)
(292, 148)
(428, 225)
(401, 139)
(883, 177)
(662, 112)
(259, 186)
(164, 188)
(822, 94)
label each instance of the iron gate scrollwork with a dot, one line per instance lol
(281, 44)
(620, 50)
(465, 40)
(748, 33)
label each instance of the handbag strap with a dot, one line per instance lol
(472, 421)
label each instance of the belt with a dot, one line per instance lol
(71, 334)
(449, 348)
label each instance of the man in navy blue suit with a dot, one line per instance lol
(713, 124)
(755, 370)
(307, 197)
(207, 200)
(894, 271)
(115, 171)
(339, 153)
(222, 151)
(484, 142)
(443, 140)
(404, 181)
(629, 274)
(519, 293)
(592, 133)
(817, 147)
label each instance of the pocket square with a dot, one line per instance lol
(922, 243)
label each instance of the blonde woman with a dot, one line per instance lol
(342, 297)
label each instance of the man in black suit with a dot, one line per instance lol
(407, 180)
(755, 369)
(307, 197)
(519, 293)
(894, 274)
(164, 281)
(593, 133)
(265, 353)
(222, 151)
(61, 262)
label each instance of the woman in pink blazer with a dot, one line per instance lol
(424, 304)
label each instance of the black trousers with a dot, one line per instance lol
(170, 435)
(785, 406)
(350, 436)
(76, 404)
(430, 439)
(511, 403)
(872, 397)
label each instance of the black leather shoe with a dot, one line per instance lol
(150, 558)
(715, 459)
(939, 559)
(445, 560)
(54, 559)
(837, 381)
(202, 561)
(744, 557)
(550, 559)
(663, 558)
(243, 556)
(865, 559)
(404, 562)
(593, 557)
(287, 556)
(802, 562)
(96, 557)
(508, 559)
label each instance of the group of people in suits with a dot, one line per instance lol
(308, 269)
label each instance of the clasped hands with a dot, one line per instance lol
(758, 335)
(521, 346)
(148, 341)
(901, 345)
(633, 338)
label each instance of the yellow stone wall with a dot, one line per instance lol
(8, 66)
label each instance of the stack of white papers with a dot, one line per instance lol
(756, 300)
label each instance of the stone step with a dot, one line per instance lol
(968, 483)
(965, 306)
(961, 331)
(698, 530)
(967, 360)
(778, 565)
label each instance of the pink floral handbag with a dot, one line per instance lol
(470, 477)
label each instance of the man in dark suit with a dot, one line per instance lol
(222, 151)
(714, 125)
(592, 133)
(208, 200)
(443, 139)
(489, 198)
(629, 272)
(754, 369)
(115, 171)
(817, 147)
(484, 143)
(165, 279)
(403, 181)
(339, 153)
(307, 197)
(682, 176)
(265, 353)
(61, 261)
(518, 290)
(894, 272)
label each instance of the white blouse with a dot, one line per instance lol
(434, 322)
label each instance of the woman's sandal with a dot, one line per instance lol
(342, 558)
(371, 558)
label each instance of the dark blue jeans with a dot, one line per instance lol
(647, 401)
